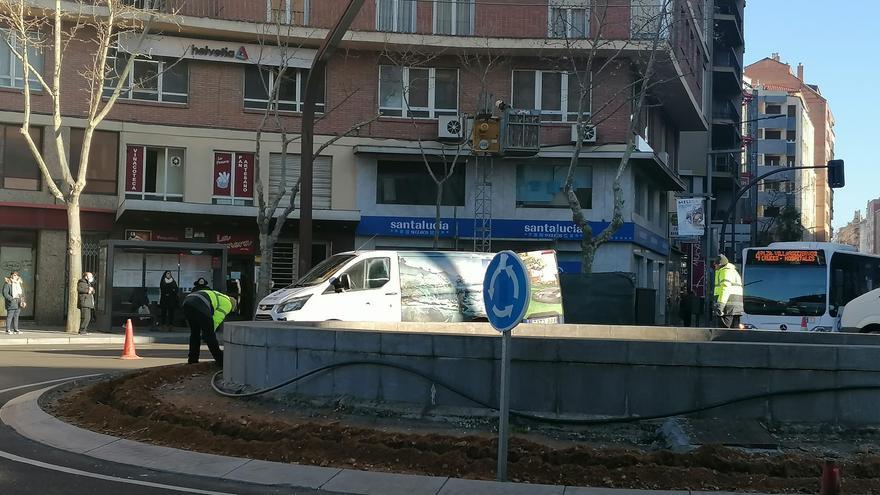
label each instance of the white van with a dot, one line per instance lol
(862, 314)
(394, 286)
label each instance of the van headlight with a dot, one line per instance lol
(294, 304)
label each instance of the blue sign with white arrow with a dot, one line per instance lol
(506, 291)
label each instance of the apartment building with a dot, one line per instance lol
(175, 161)
(711, 164)
(771, 72)
(783, 138)
(869, 228)
(850, 233)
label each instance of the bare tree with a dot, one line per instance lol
(276, 203)
(101, 24)
(606, 56)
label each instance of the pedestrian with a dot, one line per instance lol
(685, 307)
(168, 300)
(205, 311)
(200, 284)
(13, 295)
(85, 301)
(728, 293)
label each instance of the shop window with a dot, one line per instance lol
(541, 186)
(154, 173)
(156, 79)
(233, 178)
(11, 67)
(103, 157)
(18, 168)
(286, 89)
(417, 92)
(555, 94)
(409, 183)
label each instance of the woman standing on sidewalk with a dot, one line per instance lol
(168, 299)
(13, 295)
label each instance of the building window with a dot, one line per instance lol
(541, 186)
(409, 183)
(397, 16)
(154, 173)
(773, 110)
(791, 136)
(103, 159)
(18, 168)
(768, 134)
(789, 161)
(159, 79)
(260, 87)
(233, 178)
(284, 169)
(648, 16)
(294, 12)
(454, 17)
(792, 111)
(11, 68)
(769, 211)
(417, 92)
(772, 160)
(555, 94)
(569, 19)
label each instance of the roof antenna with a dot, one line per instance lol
(365, 243)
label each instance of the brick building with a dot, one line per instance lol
(850, 233)
(156, 162)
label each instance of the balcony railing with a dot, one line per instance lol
(727, 58)
(725, 110)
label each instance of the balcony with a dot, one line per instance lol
(728, 24)
(727, 165)
(727, 71)
(772, 146)
(725, 112)
(772, 121)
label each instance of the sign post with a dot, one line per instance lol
(506, 294)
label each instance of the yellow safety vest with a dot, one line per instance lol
(221, 305)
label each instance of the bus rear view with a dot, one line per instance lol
(786, 289)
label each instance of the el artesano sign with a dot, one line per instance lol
(217, 51)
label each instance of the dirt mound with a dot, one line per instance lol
(136, 407)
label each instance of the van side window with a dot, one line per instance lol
(377, 272)
(356, 274)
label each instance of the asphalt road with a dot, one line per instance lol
(30, 468)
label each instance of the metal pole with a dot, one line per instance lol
(707, 236)
(331, 41)
(504, 406)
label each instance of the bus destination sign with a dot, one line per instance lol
(787, 257)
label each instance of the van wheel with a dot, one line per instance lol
(875, 329)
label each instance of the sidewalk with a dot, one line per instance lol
(25, 416)
(32, 334)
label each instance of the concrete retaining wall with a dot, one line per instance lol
(611, 372)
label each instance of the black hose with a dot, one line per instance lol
(537, 417)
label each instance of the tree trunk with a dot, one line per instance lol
(437, 205)
(264, 279)
(74, 262)
(588, 253)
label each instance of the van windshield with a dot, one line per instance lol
(323, 270)
(785, 283)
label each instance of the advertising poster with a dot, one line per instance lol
(134, 169)
(222, 174)
(691, 216)
(448, 287)
(244, 175)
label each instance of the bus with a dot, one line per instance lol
(803, 285)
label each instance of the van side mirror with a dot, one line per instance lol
(342, 283)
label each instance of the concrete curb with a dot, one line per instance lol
(34, 338)
(24, 415)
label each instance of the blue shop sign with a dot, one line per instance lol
(506, 229)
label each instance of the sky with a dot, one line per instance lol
(835, 43)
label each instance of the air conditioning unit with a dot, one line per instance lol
(450, 127)
(589, 133)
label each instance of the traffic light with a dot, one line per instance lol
(487, 136)
(835, 174)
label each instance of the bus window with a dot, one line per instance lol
(785, 283)
(852, 275)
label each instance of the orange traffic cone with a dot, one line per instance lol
(830, 479)
(128, 351)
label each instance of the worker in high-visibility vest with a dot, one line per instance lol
(205, 311)
(728, 293)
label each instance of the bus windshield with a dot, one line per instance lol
(785, 283)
